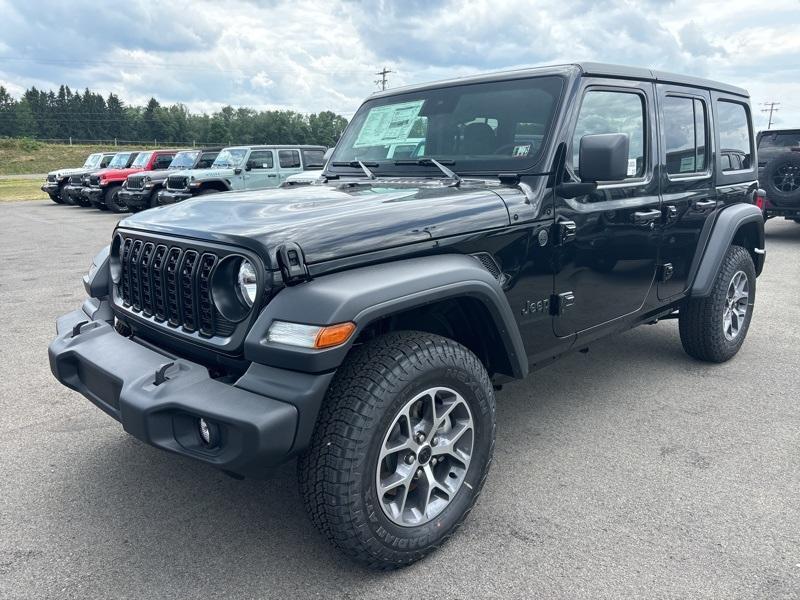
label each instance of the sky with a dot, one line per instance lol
(314, 56)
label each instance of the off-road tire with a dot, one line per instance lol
(789, 162)
(700, 319)
(204, 191)
(81, 201)
(55, 198)
(112, 200)
(64, 196)
(337, 472)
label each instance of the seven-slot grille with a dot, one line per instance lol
(177, 182)
(171, 285)
(85, 179)
(135, 182)
(51, 178)
(75, 179)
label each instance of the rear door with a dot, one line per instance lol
(687, 182)
(289, 163)
(609, 238)
(260, 170)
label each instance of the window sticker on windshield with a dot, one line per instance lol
(388, 124)
(521, 150)
(631, 167)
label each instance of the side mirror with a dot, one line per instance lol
(603, 157)
(239, 170)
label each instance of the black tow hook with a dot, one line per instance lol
(161, 373)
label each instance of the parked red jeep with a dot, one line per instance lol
(104, 186)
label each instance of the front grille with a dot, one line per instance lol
(75, 179)
(94, 180)
(177, 182)
(172, 285)
(51, 178)
(135, 182)
(85, 179)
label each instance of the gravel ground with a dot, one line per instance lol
(631, 471)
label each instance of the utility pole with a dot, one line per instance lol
(383, 81)
(771, 109)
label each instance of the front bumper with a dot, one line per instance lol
(73, 191)
(118, 375)
(95, 195)
(50, 188)
(136, 199)
(171, 197)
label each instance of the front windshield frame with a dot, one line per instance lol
(180, 160)
(93, 160)
(141, 160)
(229, 158)
(120, 160)
(553, 86)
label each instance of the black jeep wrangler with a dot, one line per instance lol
(779, 172)
(363, 323)
(141, 190)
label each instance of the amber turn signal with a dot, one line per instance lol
(334, 335)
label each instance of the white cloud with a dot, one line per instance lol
(313, 56)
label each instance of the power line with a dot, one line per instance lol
(383, 82)
(771, 109)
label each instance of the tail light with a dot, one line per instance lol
(761, 199)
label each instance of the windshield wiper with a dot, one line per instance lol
(424, 162)
(357, 164)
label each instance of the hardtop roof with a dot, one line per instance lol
(277, 146)
(580, 68)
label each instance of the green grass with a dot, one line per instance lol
(21, 189)
(25, 156)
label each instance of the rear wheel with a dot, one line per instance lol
(113, 202)
(713, 328)
(401, 448)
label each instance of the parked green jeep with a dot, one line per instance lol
(243, 168)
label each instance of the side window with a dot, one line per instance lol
(289, 159)
(105, 161)
(314, 159)
(685, 135)
(162, 161)
(734, 132)
(726, 162)
(261, 159)
(604, 111)
(206, 160)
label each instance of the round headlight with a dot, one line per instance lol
(247, 282)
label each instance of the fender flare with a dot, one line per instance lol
(224, 183)
(729, 221)
(365, 294)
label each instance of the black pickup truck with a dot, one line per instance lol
(364, 323)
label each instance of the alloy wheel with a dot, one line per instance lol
(736, 302)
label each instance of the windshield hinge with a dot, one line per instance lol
(292, 263)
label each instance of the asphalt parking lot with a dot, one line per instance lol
(631, 471)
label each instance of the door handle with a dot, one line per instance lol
(704, 204)
(271, 175)
(643, 217)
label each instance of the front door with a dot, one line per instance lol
(260, 171)
(608, 238)
(687, 184)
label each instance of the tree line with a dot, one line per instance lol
(88, 116)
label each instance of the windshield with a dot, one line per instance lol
(494, 126)
(184, 160)
(92, 161)
(141, 160)
(779, 140)
(119, 161)
(230, 157)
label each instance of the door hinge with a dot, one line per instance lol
(566, 231)
(561, 302)
(666, 271)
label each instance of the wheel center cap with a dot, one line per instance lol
(424, 455)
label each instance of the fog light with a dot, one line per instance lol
(209, 433)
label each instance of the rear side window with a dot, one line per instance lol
(604, 111)
(206, 160)
(314, 159)
(289, 159)
(162, 161)
(685, 135)
(734, 132)
(105, 161)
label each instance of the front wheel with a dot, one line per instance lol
(56, 198)
(113, 202)
(713, 328)
(401, 449)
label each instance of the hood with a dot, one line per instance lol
(330, 221)
(116, 173)
(159, 174)
(203, 174)
(68, 172)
